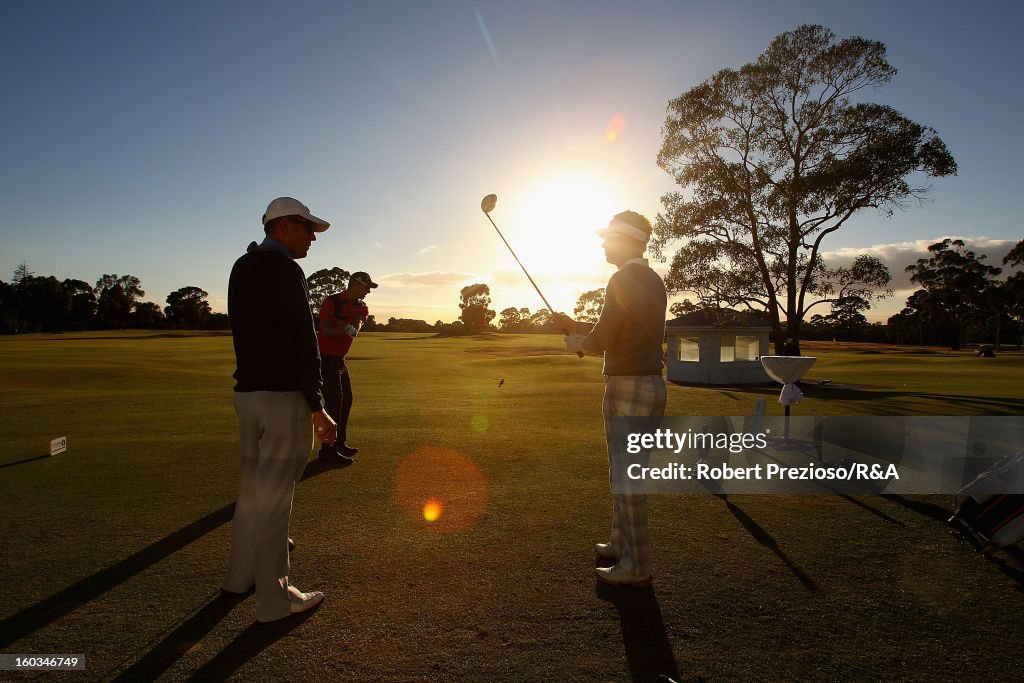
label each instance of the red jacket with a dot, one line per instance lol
(345, 311)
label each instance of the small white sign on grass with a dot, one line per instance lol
(58, 445)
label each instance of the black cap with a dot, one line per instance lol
(364, 278)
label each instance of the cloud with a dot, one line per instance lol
(898, 255)
(437, 278)
(427, 249)
(403, 309)
(508, 278)
(567, 278)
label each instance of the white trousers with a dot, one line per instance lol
(276, 435)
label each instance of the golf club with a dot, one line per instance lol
(487, 205)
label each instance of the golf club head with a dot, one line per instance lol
(488, 203)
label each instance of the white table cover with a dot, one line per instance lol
(787, 370)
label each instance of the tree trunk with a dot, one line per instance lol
(777, 333)
(794, 338)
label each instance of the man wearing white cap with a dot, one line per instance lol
(629, 332)
(278, 403)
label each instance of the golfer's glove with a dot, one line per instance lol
(574, 342)
(351, 330)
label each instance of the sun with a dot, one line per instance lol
(552, 227)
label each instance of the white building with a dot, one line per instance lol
(703, 351)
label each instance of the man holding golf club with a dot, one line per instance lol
(629, 332)
(278, 403)
(341, 318)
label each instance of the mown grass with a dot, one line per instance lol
(116, 548)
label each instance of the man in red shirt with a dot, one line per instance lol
(341, 317)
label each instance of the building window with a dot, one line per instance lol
(748, 347)
(689, 350)
(740, 347)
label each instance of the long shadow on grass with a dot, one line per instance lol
(648, 650)
(247, 645)
(979, 404)
(22, 462)
(922, 507)
(1016, 574)
(158, 660)
(48, 610)
(766, 539)
(870, 508)
(826, 488)
(162, 335)
(874, 399)
(941, 514)
(760, 535)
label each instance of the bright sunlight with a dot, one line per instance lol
(552, 227)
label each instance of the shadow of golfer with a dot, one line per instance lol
(648, 650)
(181, 640)
(48, 610)
(247, 645)
(764, 538)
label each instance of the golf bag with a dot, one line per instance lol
(990, 510)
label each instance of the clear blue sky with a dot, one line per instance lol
(147, 138)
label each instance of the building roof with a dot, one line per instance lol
(724, 318)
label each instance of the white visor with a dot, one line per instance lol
(621, 227)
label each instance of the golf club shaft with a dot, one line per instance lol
(543, 298)
(512, 251)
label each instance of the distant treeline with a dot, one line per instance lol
(536, 323)
(44, 303)
(960, 302)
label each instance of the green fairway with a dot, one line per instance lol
(116, 548)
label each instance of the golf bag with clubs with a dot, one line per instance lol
(990, 510)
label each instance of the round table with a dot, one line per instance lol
(787, 370)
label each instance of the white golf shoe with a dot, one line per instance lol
(300, 602)
(620, 575)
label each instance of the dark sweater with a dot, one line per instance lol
(632, 324)
(272, 326)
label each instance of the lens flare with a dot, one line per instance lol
(614, 129)
(479, 423)
(432, 510)
(441, 489)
